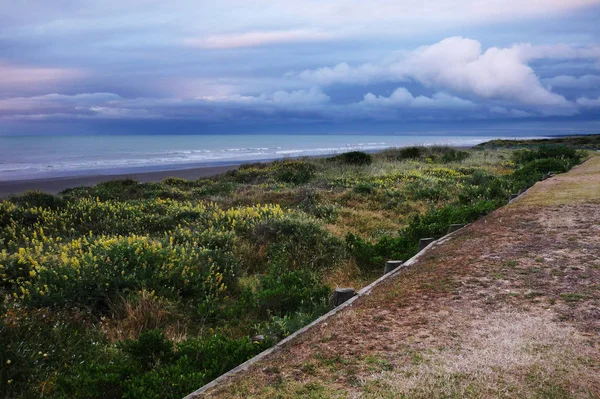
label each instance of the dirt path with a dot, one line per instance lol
(509, 307)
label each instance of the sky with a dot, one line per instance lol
(277, 66)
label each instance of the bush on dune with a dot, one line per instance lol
(289, 171)
(358, 158)
(439, 154)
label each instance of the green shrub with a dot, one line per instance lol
(113, 267)
(454, 156)
(304, 240)
(432, 224)
(150, 349)
(295, 172)
(35, 199)
(283, 326)
(411, 152)
(283, 291)
(178, 182)
(313, 205)
(428, 189)
(288, 171)
(353, 158)
(364, 188)
(207, 187)
(533, 171)
(169, 371)
(547, 151)
(102, 378)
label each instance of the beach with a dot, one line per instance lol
(58, 184)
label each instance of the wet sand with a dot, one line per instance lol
(58, 184)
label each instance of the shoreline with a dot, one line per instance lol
(54, 185)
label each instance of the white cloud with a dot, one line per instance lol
(461, 65)
(589, 102)
(313, 97)
(109, 105)
(512, 112)
(257, 39)
(344, 73)
(403, 98)
(573, 82)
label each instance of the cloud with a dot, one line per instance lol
(313, 97)
(403, 98)
(461, 65)
(58, 105)
(589, 102)
(512, 112)
(27, 77)
(344, 73)
(109, 105)
(257, 39)
(573, 82)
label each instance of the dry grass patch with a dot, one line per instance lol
(580, 184)
(144, 312)
(505, 354)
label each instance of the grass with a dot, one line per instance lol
(164, 284)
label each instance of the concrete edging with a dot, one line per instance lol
(364, 291)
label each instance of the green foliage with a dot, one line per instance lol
(400, 154)
(154, 367)
(569, 155)
(353, 158)
(438, 154)
(36, 199)
(285, 290)
(584, 141)
(111, 267)
(453, 155)
(150, 349)
(288, 171)
(314, 205)
(434, 223)
(364, 188)
(305, 242)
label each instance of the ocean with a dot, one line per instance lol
(37, 157)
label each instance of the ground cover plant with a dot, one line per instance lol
(150, 290)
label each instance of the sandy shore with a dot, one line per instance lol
(55, 185)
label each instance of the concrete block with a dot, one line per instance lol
(454, 227)
(423, 242)
(341, 295)
(391, 265)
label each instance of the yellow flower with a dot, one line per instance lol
(8, 361)
(32, 273)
